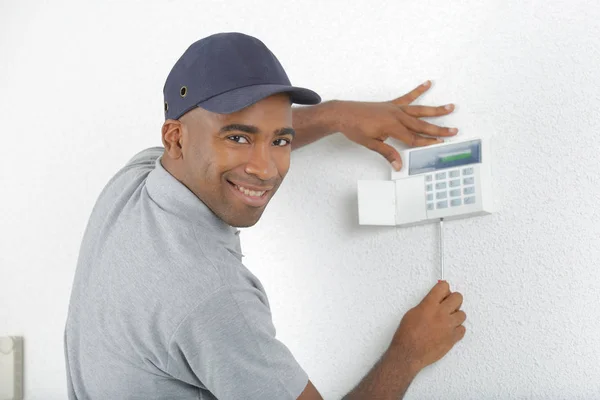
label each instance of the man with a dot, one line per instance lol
(162, 306)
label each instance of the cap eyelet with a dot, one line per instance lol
(183, 91)
(166, 107)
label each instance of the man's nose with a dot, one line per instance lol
(261, 163)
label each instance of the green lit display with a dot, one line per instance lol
(456, 157)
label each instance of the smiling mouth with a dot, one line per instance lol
(249, 192)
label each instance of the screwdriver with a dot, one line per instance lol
(442, 246)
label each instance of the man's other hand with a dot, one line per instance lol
(429, 330)
(371, 123)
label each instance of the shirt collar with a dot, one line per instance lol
(175, 198)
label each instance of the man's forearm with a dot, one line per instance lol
(389, 379)
(312, 123)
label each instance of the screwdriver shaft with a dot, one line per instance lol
(442, 246)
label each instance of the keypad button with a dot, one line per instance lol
(468, 171)
(428, 178)
(429, 187)
(440, 175)
(454, 174)
(469, 181)
(455, 202)
(441, 195)
(469, 190)
(441, 185)
(470, 200)
(441, 204)
(429, 206)
(430, 197)
(455, 183)
(455, 192)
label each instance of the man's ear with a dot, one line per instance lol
(172, 136)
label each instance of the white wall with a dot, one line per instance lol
(81, 92)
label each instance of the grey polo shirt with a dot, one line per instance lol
(162, 306)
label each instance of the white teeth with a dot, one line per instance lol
(249, 192)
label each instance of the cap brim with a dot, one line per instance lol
(237, 99)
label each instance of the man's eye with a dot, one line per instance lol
(281, 142)
(238, 139)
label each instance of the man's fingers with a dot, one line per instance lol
(459, 332)
(387, 151)
(420, 126)
(453, 302)
(413, 94)
(438, 293)
(413, 139)
(458, 318)
(420, 141)
(428, 111)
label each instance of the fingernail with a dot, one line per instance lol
(397, 165)
(427, 83)
(453, 130)
(449, 106)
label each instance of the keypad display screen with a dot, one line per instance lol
(448, 156)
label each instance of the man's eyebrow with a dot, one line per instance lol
(254, 129)
(239, 127)
(285, 131)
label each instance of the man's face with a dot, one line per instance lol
(235, 162)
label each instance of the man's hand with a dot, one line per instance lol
(426, 333)
(371, 123)
(429, 330)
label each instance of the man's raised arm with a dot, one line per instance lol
(371, 123)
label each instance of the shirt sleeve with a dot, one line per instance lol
(228, 346)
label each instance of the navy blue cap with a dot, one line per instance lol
(226, 72)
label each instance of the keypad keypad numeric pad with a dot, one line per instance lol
(452, 188)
